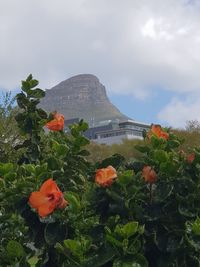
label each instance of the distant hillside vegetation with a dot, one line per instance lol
(127, 148)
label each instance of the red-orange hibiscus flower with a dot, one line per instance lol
(47, 199)
(149, 174)
(157, 131)
(57, 124)
(190, 158)
(104, 177)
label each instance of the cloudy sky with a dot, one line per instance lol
(146, 52)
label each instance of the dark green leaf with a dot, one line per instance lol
(22, 101)
(55, 232)
(42, 113)
(126, 177)
(33, 83)
(160, 155)
(102, 256)
(127, 230)
(29, 78)
(6, 168)
(25, 86)
(36, 93)
(15, 249)
(74, 202)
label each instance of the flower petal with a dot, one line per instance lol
(149, 174)
(156, 129)
(111, 172)
(59, 116)
(49, 186)
(105, 176)
(63, 204)
(164, 135)
(55, 125)
(37, 199)
(46, 209)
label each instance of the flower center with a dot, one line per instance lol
(51, 197)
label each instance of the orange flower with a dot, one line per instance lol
(47, 199)
(105, 176)
(190, 158)
(149, 174)
(57, 124)
(157, 131)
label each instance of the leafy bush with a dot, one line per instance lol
(144, 211)
(9, 132)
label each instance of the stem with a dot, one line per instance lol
(75, 262)
(151, 193)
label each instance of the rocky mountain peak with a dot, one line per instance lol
(82, 96)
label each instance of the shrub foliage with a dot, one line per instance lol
(146, 215)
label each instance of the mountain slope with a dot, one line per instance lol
(82, 96)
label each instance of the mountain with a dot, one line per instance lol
(82, 96)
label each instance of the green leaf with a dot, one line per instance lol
(55, 232)
(113, 241)
(74, 202)
(29, 78)
(127, 230)
(101, 257)
(33, 83)
(82, 141)
(115, 160)
(120, 263)
(155, 141)
(53, 163)
(20, 117)
(6, 168)
(163, 191)
(168, 167)
(30, 168)
(160, 156)
(33, 261)
(40, 169)
(126, 177)
(196, 227)
(173, 143)
(130, 229)
(60, 149)
(2, 183)
(136, 261)
(22, 101)
(194, 241)
(74, 131)
(25, 86)
(15, 249)
(74, 246)
(186, 211)
(59, 247)
(10, 176)
(36, 93)
(42, 113)
(82, 126)
(134, 247)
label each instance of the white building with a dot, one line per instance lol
(114, 133)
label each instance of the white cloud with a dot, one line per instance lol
(178, 111)
(157, 30)
(131, 46)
